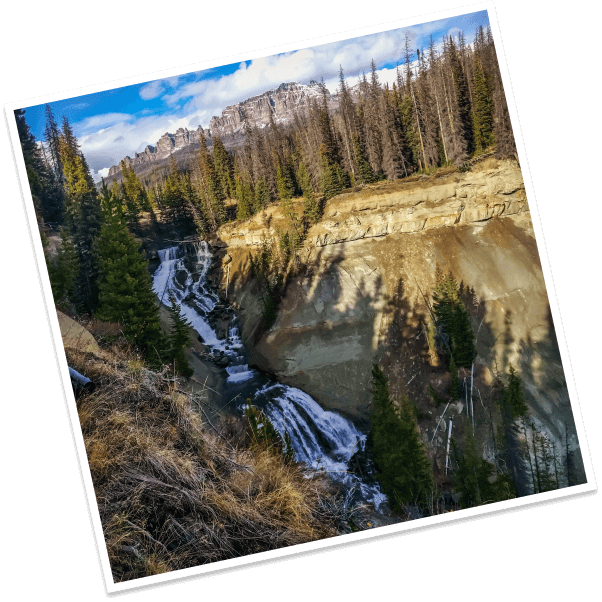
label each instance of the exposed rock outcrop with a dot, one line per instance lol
(281, 103)
(166, 145)
(366, 272)
(76, 336)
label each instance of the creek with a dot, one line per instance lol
(323, 440)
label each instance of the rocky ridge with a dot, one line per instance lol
(166, 145)
(280, 103)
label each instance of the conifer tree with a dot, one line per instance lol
(194, 206)
(126, 294)
(349, 122)
(462, 95)
(52, 135)
(514, 395)
(172, 193)
(504, 137)
(512, 406)
(179, 338)
(63, 270)
(130, 193)
(46, 193)
(483, 109)
(262, 197)
(83, 216)
(365, 175)
(453, 321)
(211, 186)
(284, 192)
(244, 208)
(311, 210)
(223, 167)
(399, 455)
(408, 123)
(474, 478)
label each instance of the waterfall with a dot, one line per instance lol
(325, 441)
(183, 273)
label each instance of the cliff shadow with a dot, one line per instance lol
(325, 337)
(547, 395)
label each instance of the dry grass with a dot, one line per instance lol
(171, 494)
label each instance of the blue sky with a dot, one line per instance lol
(122, 121)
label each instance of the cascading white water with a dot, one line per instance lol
(323, 440)
(183, 273)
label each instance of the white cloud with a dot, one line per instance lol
(108, 145)
(158, 87)
(108, 138)
(100, 121)
(152, 90)
(98, 175)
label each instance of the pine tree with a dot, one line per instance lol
(365, 175)
(514, 395)
(223, 167)
(52, 135)
(83, 216)
(126, 293)
(334, 179)
(130, 193)
(63, 270)
(311, 210)
(172, 194)
(483, 109)
(474, 477)
(453, 321)
(179, 338)
(262, 194)
(284, 192)
(194, 206)
(462, 95)
(211, 186)
(399, 455)
(244, 208)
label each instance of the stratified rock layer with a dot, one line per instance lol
(367, 272)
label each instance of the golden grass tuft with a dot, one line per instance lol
(172, 494)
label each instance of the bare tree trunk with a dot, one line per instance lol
(448, 442)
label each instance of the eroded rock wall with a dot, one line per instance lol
(362, 290)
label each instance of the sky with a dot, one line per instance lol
(120, 122)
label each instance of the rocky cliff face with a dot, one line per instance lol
(281, 103)
(166, 145)
(360, 296)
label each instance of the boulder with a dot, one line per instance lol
(75, 336)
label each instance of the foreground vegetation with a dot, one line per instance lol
(172, 492)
